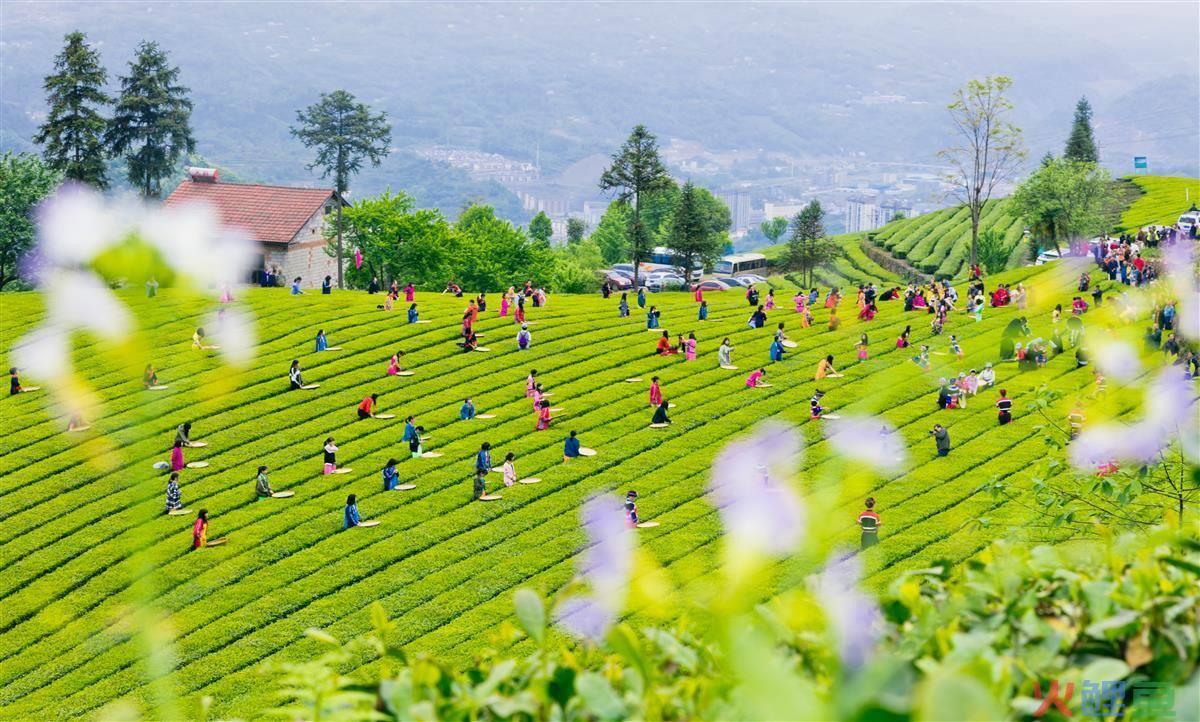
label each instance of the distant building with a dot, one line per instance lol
(781, 210)
(593, 211)
(287, 223)
(864, 214)
(739, 209)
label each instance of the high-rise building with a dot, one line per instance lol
(738, 201)
(864, 214)
(861, 215)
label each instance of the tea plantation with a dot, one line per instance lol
(101, 592)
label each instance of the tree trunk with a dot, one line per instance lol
(633, 241)
(339, 239)
(974, 236)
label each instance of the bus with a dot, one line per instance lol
(663, 258)
(736, 263)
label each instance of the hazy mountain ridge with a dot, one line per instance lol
(564, 81)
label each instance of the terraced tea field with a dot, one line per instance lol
(98, 581)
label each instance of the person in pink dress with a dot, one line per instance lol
(531, 383)
(410, 292)
(394, 365)
(519, 316)
(543, 417)
(770, 304)
(655, 392)
(798, 299)
(177, 462)
(226, 294)
(698, 294)
(755, 378)
(504, 304)
(537, 396)
(689, 347)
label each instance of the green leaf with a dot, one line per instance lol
(531, 613)
(599, 698)
(1182, 564)
(623, 641)
(562, 686)
(1106, 669)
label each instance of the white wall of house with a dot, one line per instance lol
(305, 256)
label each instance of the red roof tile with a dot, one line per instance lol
(270, 214)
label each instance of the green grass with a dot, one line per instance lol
(1162, 200)
(84, 545)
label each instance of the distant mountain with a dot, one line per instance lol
(566, 81)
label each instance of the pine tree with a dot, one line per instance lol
(637, 172)
(1081, 144)
(151, 126)
(808, 248)
(692, 236)
(73, 134)
(345, 133)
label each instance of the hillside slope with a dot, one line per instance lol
(938, 243)
(90, 559)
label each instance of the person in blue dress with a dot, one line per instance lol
(703, 315)
(652, 317)
(327, 286)
(571, 447)
(391, 477)
(296, 286)
(623, 306)
(483, 465)
(412, 314)
(350, 517)
(776, 350)
(410, 429)
(322, 342)
(467, 411)
(641, 297)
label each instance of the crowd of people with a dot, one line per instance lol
(1121, 263)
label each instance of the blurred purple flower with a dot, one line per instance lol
(867, 440)
(1179, 262)
(852, 614)
(585, 617)
(1171, 409)
(606, 565)
(757, 516)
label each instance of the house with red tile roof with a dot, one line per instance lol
(287, 223)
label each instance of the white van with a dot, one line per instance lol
(1189, 220)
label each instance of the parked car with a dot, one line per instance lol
(1046, 256)
(749, 278)
(1189, 220)
(618, 281)
(665, 281)
(713, 284)
(733, 282)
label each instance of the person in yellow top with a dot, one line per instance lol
(825, 369)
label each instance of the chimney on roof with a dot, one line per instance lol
(202, 175)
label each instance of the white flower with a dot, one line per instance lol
(234, 331)
(867, 440)
(46, 350)
(76, 224)
(1118, 360)
(759, 516)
